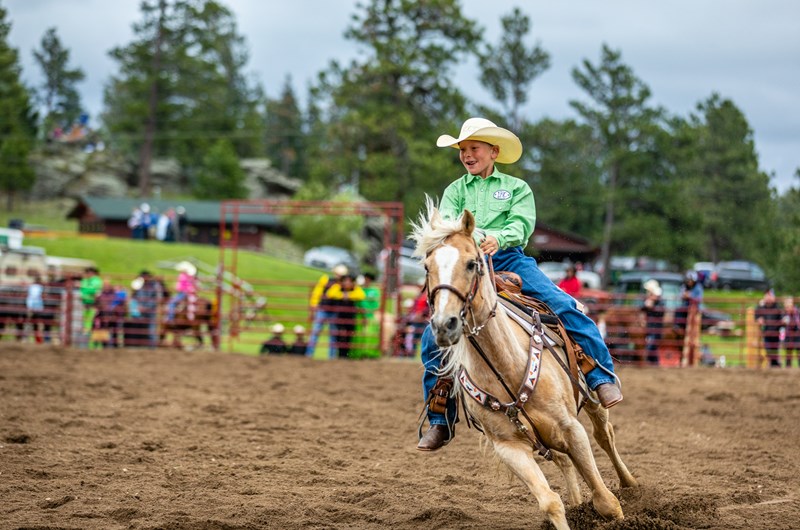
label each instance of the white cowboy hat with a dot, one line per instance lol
(652, 287)
(278, 328)
(137, 284)
(339, 270)
(483, 130)
(299, 329)
(187, 267)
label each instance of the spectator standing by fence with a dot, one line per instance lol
(322, 311)
(345, 297)
(691, 297)
(89, 288)
(653, 308)
(148, 294)
(768, 316)
(34, 303)
(367, 340)
(791, 327)
(570, 284)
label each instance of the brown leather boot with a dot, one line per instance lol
(609, 395)
(437, 437)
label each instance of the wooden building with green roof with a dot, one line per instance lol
(110, 215)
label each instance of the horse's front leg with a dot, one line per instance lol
(519, 459)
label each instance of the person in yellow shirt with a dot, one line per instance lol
(322, 310)
(344, 297)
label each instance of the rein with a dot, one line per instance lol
(512, 410)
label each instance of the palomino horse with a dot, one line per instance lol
(474, 333)
(191, 315)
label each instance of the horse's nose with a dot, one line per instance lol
(446, 329)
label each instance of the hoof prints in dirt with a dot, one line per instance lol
(643, 511)
(18, 438)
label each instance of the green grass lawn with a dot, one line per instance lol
(129, 256)
(49, 215)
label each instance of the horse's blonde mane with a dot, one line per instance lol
(431, 229)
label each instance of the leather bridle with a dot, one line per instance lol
(470, 329)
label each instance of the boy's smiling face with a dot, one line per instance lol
(478, 157)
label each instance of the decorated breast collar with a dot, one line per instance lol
(525, 392)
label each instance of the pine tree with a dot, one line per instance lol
(17, 121)
(285, 142)
(509, 68)
(181, 88)
(61, 99)
(220, 176)
(383, 111)
(626, 128)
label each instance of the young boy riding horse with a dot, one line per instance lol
(504, 210)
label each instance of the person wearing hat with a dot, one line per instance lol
(344, 296)
(274, 344)
(323, 311)
(653, 308)
(185, 287)
(148, 293)
(505, 214)
(300, 343)
(768, 316)
(691, 297)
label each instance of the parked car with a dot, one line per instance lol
(740, 275)
(631, 283)
(556, 270)
(327, 257)
(619, 265)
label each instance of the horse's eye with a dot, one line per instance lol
(472, 265)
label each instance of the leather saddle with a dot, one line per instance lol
(522, 308)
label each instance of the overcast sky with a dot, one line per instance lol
(746, 50)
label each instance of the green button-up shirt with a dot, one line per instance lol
(503, 206)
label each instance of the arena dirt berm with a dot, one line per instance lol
(139, 439)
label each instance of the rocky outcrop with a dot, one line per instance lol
(264, 181)
(72, 171)
(63, 171)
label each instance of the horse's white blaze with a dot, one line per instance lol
(446, 258)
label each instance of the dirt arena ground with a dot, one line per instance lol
(141, 439)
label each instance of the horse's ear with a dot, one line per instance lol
(468, 222)
(435, 217)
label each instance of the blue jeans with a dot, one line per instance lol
(320, 319)
(431, 359)
(536, 284)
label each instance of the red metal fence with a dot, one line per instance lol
(722, 332)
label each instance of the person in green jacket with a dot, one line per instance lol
(90, 286)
